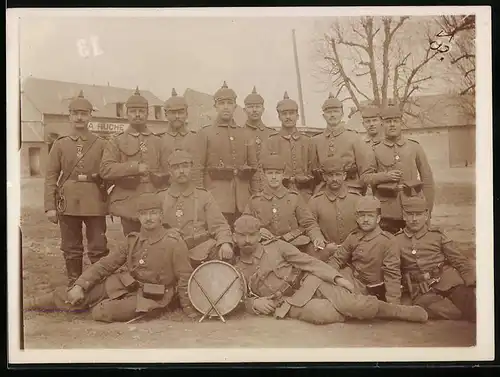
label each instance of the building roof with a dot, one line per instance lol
(52, 97)
(439, 110)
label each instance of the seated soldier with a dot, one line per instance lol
(195, 213)
(369, 257)
(334, 208)
(157, 268)
(438, 277)
(282, 281)
(282, 212)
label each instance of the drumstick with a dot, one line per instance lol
(210, 301)
(218, 299)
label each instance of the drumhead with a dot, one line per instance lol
(215, 277)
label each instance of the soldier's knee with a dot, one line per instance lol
(318, 312)
(443, 309)
(102, 313)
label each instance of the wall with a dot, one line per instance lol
(435, 144)
(25, 157)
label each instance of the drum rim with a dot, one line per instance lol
(242, 283)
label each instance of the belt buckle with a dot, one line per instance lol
(82, 177)
(235, 171)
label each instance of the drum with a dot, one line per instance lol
(216, 284)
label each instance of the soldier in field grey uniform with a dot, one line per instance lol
(135, 161)
(79, 195)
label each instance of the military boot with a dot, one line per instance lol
(402, 312)
(44, 302)
(73, 270)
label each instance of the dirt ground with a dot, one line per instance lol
(43, 270)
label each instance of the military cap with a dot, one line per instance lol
(391, 112)
(331, 103)
(370, 112)
(287, 104)
(273, 161)
(368, 204)
(175, 102)
(254, 98)
(333, 165)
(179, 156)
(246, 224)
(80, 103)
(414, 204)
(136, 100)
(149, 201)
(225, 93)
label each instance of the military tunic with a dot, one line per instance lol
(335, 213)
(408, 156)
(159, 259)
(225, 152)
(259, 134)
(186, 140)
(347, 145)
(120, 162)
(196, 214)
(297, 151)
(71, 170)
(301, 286)
(369, 260)
(438, 276)
(372, 141)
(283, 211)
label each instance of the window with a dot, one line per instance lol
(119, 110)
(158, 112)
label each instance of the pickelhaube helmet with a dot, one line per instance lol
(175, 102)
(287, 104)
(331, 103)
(225, 93)
(80, 103)
(391, 112)
(136, 100)
(333, 165)
(247, 224)
(254, 98)
(370, 111)
(368, 204)
(179, 156)
(273, 161)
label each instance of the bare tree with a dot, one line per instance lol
(389, 66)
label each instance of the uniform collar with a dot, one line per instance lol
(154, 237)
(377, 139)
(220, 124)
(401, 141)
(269, 194)
(335, 131)
(422, 232)
(374, 233)
(295, 135)
(182, 131)
(342, 193)
(259, 126)
(257, 254)
(130, 130)
(84, 136)
(176, 190)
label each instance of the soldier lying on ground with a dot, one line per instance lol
(285, 282)
(195, 213)
(369, 257)
(439, 278)
(157, 267)
(284, 213)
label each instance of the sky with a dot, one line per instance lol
(198, 53)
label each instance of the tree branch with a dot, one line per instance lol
(469, 71)
(467, 89)
(464, 56)
(362, 74)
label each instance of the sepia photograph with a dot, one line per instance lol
(190, 185)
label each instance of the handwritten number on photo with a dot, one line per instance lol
(89, 47)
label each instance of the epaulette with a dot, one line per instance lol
(117, 134)
(201, 188)
(293, 192)
(351, 130)
(206, 125)
(274, 133)
(434, 228)
(415, 141)
(192, 131)
(256, 195)
(159, 133)
(387, 234)
(173, 233)
(354, 190)
(318, 194)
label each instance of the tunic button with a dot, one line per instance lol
(141, 261)
(414, 251)
(231, 138)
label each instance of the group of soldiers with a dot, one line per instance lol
(323, 228)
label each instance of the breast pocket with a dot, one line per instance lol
(386, 160)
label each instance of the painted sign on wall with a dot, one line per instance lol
(110, 128)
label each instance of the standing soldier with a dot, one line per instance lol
(195, 213)
(438, 277)
(133, 162)
(282, 212)
(402, 171)
(254, 107)
(228, 157)
(369, 256)
(373, 125)
(79, 195)
(334, 208)
(338, 142)
(296, 148)
(178, 136)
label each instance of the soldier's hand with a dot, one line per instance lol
(264, 305)
(225, 251)
(75, 295)
(343, 282)
(319, 243)
(143, 168)
(52, 216)
(395, 175)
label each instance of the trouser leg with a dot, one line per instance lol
(97, 244)
(130, 225)
(116, 310)
(438, 306)
(464, 298)
(316, 311)
(72, 245)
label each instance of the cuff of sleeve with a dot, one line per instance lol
(224, 240)
(83, 283)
